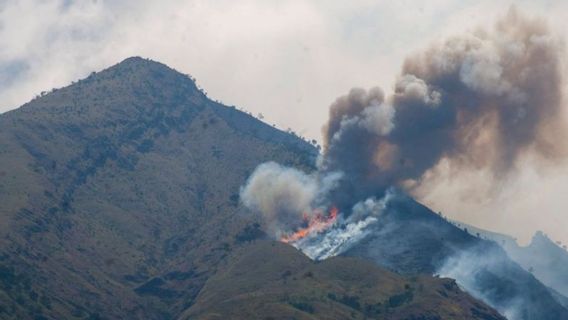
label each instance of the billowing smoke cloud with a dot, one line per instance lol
(285, 196)
(483, 100)
(480, 100)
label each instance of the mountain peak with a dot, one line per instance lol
(138, 60)
(136, 70)
(124, 88)
(539, 238)
(137, 63)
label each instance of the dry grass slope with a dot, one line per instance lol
(270, 280)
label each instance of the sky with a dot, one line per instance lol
(288, 60)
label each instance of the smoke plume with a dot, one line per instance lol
(481, 100)
(486, 100)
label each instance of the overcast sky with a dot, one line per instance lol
(285, 59)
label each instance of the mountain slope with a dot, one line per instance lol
(270, 280)
(411, 239)
(119, 193)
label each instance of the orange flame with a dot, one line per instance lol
(317, 223)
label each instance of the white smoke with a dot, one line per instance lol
(376, 118)
(412, 87)
(466, 267)
(336, 240)
(346, 232)
(285, 196)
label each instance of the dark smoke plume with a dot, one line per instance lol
(480, 100)
(483, 100)
(487, 100)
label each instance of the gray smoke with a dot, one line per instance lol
(480, 100)
(473, 270)
(484, 99)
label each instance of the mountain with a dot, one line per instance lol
(119, 199)
(411, 239)
(119, 193)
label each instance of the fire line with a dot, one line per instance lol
(317, 223)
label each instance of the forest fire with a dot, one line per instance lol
(317, 223)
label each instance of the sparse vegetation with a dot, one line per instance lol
(274, 279)
(112, 183)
